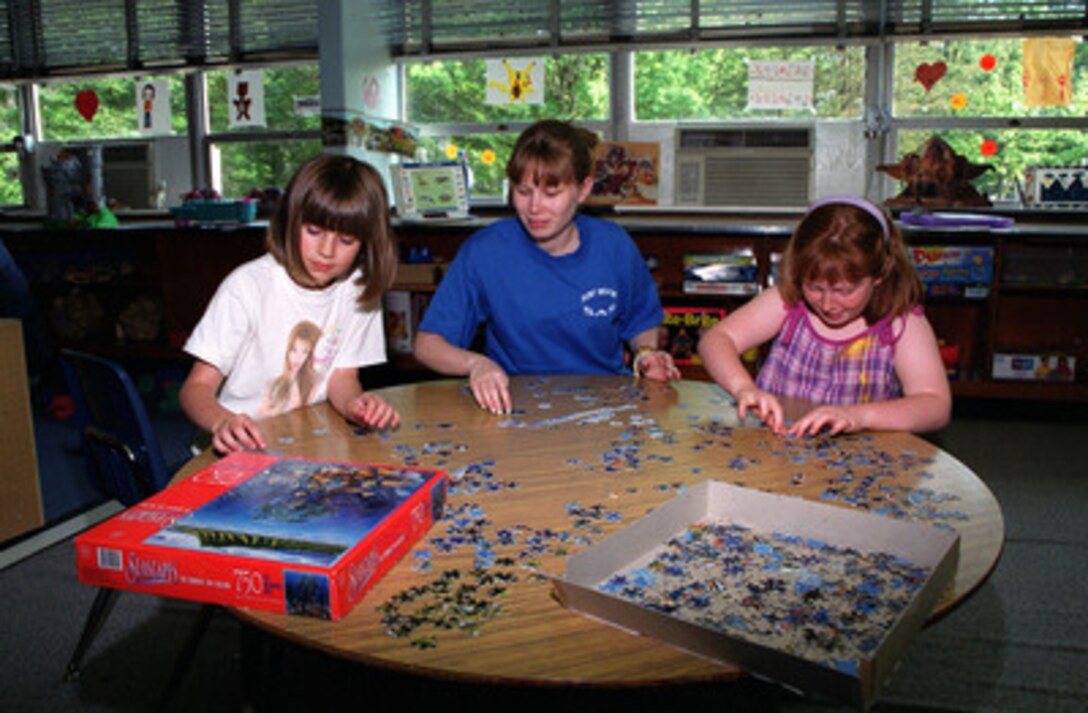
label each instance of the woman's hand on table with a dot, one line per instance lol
(490, 385)
(657, 365)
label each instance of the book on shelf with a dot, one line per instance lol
(269, 532)
(729, 273)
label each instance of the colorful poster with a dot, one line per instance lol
(245, 94)
(625, 173)
(780, 84)
(153, 106)
(1048, 71)
(515, 81)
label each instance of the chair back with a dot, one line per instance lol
(124, 452)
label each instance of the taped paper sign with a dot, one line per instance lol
(515, 81)
(780, 85)
(245, 92)
(1048, 71)
(153, 106)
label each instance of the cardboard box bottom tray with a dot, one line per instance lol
(816, 597)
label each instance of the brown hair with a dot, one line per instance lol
(341, 194)
(557, 153)
(842, 242)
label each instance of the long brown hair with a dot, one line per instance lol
(556, 151)
(843, 242)
(341, 194)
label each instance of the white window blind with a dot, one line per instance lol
(43, 37)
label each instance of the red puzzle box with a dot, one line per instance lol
(268, 532)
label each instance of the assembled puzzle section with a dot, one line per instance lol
(269, 532)
(813, 596)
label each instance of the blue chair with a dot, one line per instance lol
(126, 462)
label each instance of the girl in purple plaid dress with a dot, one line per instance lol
(848, 329)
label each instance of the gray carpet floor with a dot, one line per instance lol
(1020, 643)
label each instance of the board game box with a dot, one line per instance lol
(270, 532)
(813, 596)
(682, 328)
(955, 270)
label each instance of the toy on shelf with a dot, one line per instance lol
(937, 177)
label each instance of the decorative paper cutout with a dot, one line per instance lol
(958, 101)
(929, 74)
(518, 81)
(87, 104)
(988, 147)
(245, 90)
(1048, 71)
(153, 106)
(988, 62)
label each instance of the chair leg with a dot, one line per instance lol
(188, 649)
(100, 611)
(261, 654)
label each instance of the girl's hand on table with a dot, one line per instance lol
(237, 432)
(833, 419)
(765, 406)
(369, 409)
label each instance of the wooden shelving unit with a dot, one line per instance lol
(1037, 303)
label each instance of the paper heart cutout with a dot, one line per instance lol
(929, 74)
(87, 104)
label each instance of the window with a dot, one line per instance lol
(712, 84)
(106, 108)
(248, 158)
(971, 94)
(288, 92)
(11, 188)
(249, 165)
(976, 78)
(447, 101)
(1014, 151)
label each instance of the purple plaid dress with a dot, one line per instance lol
(804, 365)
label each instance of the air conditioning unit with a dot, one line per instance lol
(128, 174)
(743, 166)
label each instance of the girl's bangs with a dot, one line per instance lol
(331, 213)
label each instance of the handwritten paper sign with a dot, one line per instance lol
(780, 84)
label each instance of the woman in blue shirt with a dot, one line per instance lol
(556, 292)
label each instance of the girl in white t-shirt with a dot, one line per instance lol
(294, 326)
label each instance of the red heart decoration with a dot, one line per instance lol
(928, 74)
(87, 103)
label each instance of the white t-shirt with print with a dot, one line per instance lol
(245, 331)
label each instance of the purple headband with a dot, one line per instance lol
(857, 203)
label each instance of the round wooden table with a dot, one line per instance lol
(579, 458)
